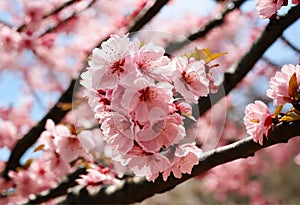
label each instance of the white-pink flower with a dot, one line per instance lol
(142, 96)
(97, 176)
(149, 60)
(59, 142)
(109, 64)
(8, 134)
(268, 8)
(161, 130)
(279, 84)
(145, 164)
(118, 131)
(190, 79)
(257, 120)
(186, 156)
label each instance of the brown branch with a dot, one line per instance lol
(290, 44)
(60, 8)
(273, 31)
(219, 20)
(61, 189)
(141, 22)
(138, 191)
(55, 113)
(55, 11)
(270, 62)
(148, 15)
(66, 20)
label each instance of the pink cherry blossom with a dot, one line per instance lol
(149, 59)
(145, 164)
(61, 144)
(37, 176)
(279, 84)
(9, 39)
(111, 62)
(142, 96)
(8, 134)
(97, 175)
(257, 120)
(268, 8)
(190, 79)
(162, 130)
(184, 109)
(118, 131)
(186, 156)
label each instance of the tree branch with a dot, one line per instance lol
(56, 113)
(148, 15)
(138, 191)
(66, 20)
(273, 31)
(219, 20)
(55, 11)
(290, 44)
(61, 189)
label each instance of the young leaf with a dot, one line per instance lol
(38, 148)
(205, 55)
(293, 86)
(278, 110)
(289, 117)
(189, 116)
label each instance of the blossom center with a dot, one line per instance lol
(147, 94)
(118, 66)
(188, 77)
(268, 121)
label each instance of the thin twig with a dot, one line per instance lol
(55, 11)
(66, 20)
(290, 44)
(270, 62)
(217, 21)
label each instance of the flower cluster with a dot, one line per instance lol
(284, 88)
(140, 98)
(268, 8)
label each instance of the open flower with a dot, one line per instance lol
(257, 120)
(183, 161)
(268, 8)
(149, 60)
(190, 79)
(162, 130)
(279, 84)
(109, 64)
